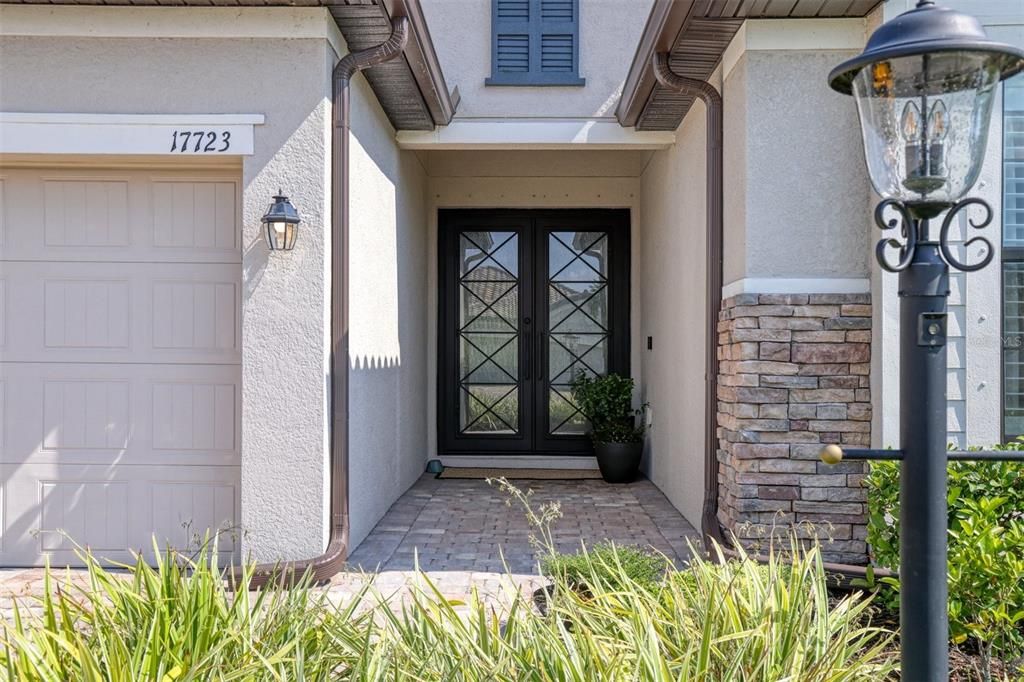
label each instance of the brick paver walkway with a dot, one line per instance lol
(460, 530)
(466, 525)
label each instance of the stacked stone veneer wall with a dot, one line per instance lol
(794, 375)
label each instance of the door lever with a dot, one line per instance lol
(528, 364)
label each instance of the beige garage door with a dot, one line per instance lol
(119, 360)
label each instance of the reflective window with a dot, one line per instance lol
(1013, 258)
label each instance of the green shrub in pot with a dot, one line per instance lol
(616, 427)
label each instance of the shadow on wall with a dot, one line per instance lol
(254, 264)
(388, 317)
(367, 362)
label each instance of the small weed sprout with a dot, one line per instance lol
(540, 518)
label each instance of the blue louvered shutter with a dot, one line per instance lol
(535, 42)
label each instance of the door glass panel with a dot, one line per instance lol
(578, 321)
(489, 409)
(489, 256)
(565, 419)
(489, 333)
(578, 256)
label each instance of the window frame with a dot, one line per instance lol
(534, 27)
(1008, 255)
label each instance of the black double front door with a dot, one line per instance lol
(529, 299)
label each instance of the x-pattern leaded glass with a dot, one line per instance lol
(489, 332)
(578, 321)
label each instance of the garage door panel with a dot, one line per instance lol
(189, 514)
(122, 216)
(85, 415)
(120, 372)
(81, 313)
(3, 312)
(3, 210)
(80, 212)
(128, 414)
(51, 508)
(198, 215)
(91, 513)
(121, 312)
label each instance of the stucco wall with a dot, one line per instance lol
(734, 168)
(804, 178)
(388, 299)
(285, 305)
(609, 31)
(673, 294)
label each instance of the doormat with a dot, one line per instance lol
(522, 474)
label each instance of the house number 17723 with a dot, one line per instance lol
(200, 141)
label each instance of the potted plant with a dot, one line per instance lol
(607, 402)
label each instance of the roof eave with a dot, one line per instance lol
(423, 62)
(664, 23)
(696, 33)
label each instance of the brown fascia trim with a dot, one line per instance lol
(423, 62)
(320, 569)
(712, 100)
(664, 24)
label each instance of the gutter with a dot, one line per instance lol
(321, 568)
(712, 100)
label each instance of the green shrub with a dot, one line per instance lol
(175, 622)
(733, 621)
(986, 549)
(605, 564)
(607, 403)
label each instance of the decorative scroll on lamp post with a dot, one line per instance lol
(924, 87)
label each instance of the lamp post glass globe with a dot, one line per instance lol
(924, 120)
(924, 87)
(281, 224)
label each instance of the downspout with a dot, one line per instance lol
(321, 568)
(710, 527)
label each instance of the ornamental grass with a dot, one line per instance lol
(715, 621)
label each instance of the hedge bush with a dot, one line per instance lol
(606, 563)
(986, 549)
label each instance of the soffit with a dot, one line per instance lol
(696, 34)
(411, 90)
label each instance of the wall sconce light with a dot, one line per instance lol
(281, 224)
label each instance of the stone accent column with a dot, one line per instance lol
(795, 374)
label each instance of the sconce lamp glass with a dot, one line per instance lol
(281, 224)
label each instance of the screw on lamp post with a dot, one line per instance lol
(924, 87)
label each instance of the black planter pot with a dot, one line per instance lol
(619, 462)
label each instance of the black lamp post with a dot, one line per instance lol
(924, 87)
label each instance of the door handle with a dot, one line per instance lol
(528, 363)
(539, 353)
